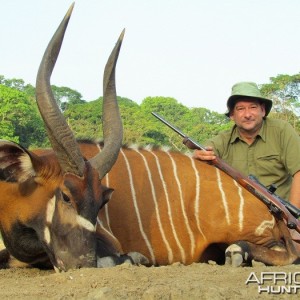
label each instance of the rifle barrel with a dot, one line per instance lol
(168, 124)
(191, 144)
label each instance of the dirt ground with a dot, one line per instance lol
(197, 281)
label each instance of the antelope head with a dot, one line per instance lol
(78, 199)
(58, 193)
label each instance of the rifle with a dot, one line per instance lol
(281, 208)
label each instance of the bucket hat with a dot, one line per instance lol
(248, 90)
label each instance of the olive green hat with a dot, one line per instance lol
(246, 89)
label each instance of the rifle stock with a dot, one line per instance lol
(277, 206)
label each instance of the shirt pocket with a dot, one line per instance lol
(269, 165)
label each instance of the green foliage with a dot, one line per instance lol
(65, 96)
(18, 84)
(284, 90)
(20, 120)
(85, 119)
(7, 131)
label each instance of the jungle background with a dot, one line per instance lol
(21, 122)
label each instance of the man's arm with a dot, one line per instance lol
(295, 190)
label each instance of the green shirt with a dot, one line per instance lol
(274, 156)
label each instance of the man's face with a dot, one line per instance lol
(248, 114)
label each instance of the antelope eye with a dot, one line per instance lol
(66, 198)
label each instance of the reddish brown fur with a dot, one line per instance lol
(216, 230)
(48, 215)
(27, 200)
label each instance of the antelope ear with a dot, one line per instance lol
(15, 162)
(107, 193)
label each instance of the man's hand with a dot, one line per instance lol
(205, 155)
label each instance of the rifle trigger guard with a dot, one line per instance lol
(275, 210)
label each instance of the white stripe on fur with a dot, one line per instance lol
(137, 209)
(186, 220)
